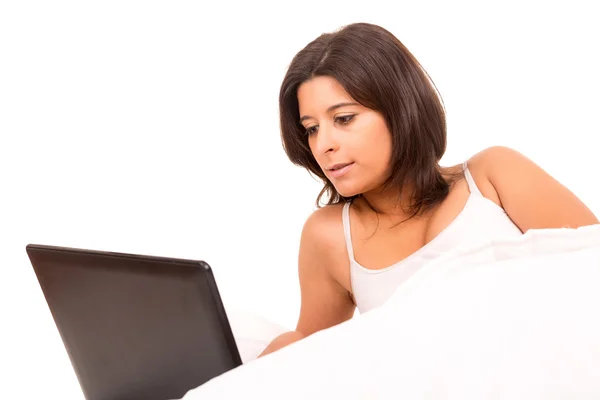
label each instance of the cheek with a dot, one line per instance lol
(378, 146)
(385, 156)
(386, 149)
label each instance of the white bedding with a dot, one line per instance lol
(514, 319)
(252, 332)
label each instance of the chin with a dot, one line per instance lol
(348, 190)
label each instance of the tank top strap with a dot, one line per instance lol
(347, 233)
(470, 181)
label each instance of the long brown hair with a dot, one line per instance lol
(379, 72)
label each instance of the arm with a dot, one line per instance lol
(531, 197)
(324, 302)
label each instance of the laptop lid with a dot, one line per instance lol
(136, 327)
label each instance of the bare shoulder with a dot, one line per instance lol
(493, 166)
(324, 226)
(493, 157)
(482, 166)
(323, 272)
(323, 237)
(497, 164)
(530, 196)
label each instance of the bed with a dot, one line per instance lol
(508, 319)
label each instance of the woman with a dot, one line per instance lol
(358, 111)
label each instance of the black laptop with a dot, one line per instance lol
(136, 327)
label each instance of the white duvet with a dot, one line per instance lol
(514, 319)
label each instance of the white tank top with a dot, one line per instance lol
(481, 219)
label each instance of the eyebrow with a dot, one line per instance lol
(333, 107)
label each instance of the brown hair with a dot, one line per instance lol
(377, 71)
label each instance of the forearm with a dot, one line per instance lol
(282, 341)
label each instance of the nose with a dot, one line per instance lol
(325, 140)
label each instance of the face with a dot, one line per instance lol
(351, 143)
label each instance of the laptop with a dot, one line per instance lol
(134, 326)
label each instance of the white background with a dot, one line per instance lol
(152, 127)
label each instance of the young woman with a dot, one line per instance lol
(358, 111)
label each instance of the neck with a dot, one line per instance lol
(389, 201)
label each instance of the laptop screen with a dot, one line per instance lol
(136, 327)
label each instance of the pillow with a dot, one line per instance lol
(252, 332)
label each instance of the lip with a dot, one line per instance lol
(336, 173)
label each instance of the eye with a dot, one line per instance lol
(311, 130)
(344, 119)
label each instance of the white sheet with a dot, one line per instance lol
(516, 319)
